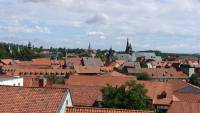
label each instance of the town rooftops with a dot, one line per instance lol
(30, 100)
(184, 107)
(188, 97)
(87, 61)
(98, 80)
(6, 61)
(156, 89)
(87, 69)
(41, 61)
(102, 110)
(85, 95)
(164, 73)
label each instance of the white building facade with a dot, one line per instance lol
(12, 81)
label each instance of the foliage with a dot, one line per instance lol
(19, 52)
(101, 54)
(143, 64)
(55, 79)
(143, 76)
(127, 96)
(121, 70)
(194, 80)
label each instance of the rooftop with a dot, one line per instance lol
(30, 100)
(102, 110)
(184, 107)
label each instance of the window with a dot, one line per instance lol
(18, 84)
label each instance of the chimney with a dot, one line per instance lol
(42, 82)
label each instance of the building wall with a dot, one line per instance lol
(67, 102)
(14, 81)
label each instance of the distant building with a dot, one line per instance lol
(125, 57)
(148, 56)
(88, 61)
(128, 56)
(187, 69)
(11, 80)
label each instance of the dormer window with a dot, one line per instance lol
(162, 95)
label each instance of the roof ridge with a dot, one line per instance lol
(108, 108)
(33, 87)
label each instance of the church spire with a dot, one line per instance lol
(89, 47)
(127, 46)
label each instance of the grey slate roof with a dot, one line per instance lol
(87, 61)
(126, 57)
(189, 89)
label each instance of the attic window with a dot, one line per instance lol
(162, 95)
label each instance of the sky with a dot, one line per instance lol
(166, 25)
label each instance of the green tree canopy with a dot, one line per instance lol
(127, 96)
(194, 80)
(143, 76)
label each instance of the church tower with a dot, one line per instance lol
(128, 48)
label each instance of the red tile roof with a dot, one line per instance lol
(30, 100)
(6, 61)
(87, 69)
(97, 80)
(102, 110)
(85, 95)
(41, 61)
(115, 73)
(164, 72)
(188, 97)
(184, 107)
(155, 89)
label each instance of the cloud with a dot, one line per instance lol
(25, 29)
(146, 21)
(99, 18)
(97, 34)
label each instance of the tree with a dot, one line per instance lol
(143, 76)
(194, 80)
(55, 79)
(127, 96)
(143, 64)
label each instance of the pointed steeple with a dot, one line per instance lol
(127, 46)
(89, 47)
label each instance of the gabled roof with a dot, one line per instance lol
(189, 89)
(184, 107)
(6, 61)
(87, 61)
(85, 95)
(30, 100)
(176, 85)
(155, 89)
(102, 110)
(74, 61)
(188, 97)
